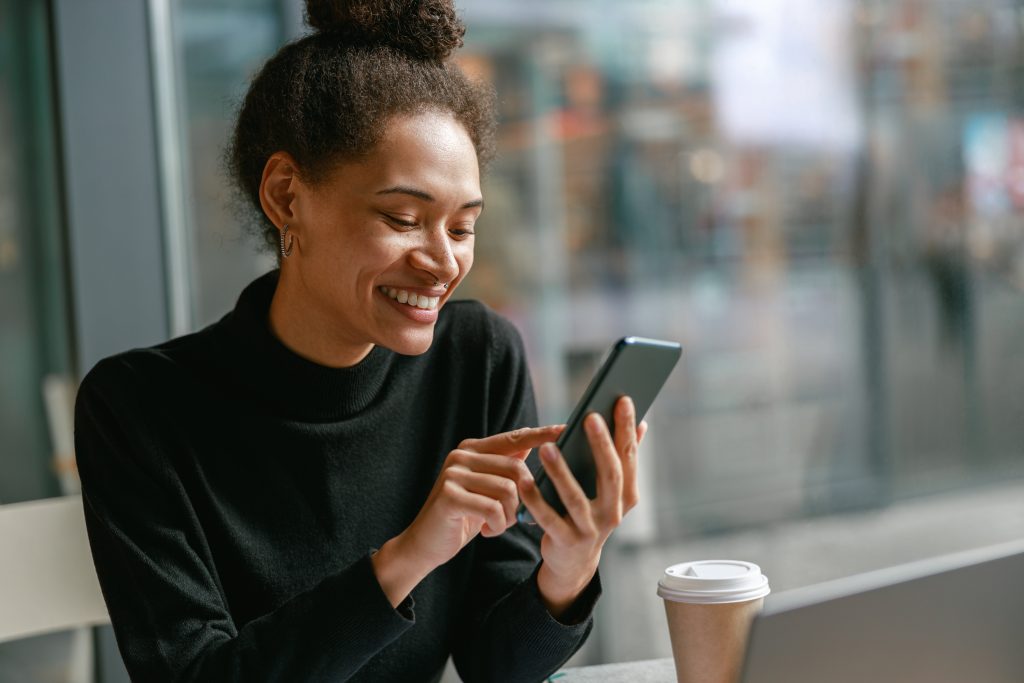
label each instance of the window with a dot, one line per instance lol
(35, 342)
(822, 202)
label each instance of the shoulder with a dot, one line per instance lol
(136, 373)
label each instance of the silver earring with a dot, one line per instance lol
(286, 252)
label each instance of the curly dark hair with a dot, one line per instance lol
(328, 97)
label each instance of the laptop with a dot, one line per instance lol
(953, 619)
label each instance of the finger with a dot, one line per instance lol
(641, 432)
(466, 503)
(502, 465)
(514, 442)
(609, 470)
(549, 520)
(569, 490)
(556, 432)
(625, 427)
(626, 439)
(501, 489)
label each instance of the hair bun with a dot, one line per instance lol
(426, 29)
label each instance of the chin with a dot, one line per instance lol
(410, 344)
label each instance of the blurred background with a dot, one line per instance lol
(822, 200)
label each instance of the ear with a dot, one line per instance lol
(277, 188)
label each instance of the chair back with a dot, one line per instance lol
(47, 578)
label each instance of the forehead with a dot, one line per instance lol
(429, 151)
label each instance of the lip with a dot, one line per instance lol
(425, 291)
(420, 315)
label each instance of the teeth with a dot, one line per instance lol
(411, 298)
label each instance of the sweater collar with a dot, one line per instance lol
(296, 387)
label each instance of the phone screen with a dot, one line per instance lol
(635, 367)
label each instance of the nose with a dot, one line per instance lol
(436, 256)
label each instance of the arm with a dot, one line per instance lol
(508, 633)
(160, 583)
(510, 630)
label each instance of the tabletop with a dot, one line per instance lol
(645, 671)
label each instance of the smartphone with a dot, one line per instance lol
(635, 367)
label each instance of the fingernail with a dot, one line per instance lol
(591, 423)
(547, 452)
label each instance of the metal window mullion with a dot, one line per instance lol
(171, 152)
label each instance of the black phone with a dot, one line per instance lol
(635, 367)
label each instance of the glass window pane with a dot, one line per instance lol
(801, 204)
(221, 45)
(35, 335)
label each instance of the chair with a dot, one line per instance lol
(47, 579)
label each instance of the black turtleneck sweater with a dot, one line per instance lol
(234, 492)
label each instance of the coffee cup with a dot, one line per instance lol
(709, 606)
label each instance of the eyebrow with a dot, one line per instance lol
(425, 196)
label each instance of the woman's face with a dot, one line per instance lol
(379, 239)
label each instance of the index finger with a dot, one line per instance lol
(516, 441)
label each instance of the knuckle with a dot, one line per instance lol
(614, 476)
(517, 435)
(615, 518)
(577, 500)
(454, 471)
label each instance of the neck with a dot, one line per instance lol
(298, 323)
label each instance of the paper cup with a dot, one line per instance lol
(709, 606)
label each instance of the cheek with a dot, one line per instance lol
(464, 257)
(373, 252)
(360, 262)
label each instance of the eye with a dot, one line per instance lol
(400, 222)
(462, 231)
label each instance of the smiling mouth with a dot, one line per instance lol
(413, 299)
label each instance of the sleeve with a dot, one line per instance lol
(160, 584)
(507, 632)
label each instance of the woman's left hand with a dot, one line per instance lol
(571, 546)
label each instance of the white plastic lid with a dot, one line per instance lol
(710, 582)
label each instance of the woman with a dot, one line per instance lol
(322, 485)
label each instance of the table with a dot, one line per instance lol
(645, 671)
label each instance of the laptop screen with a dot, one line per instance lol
(955, 619)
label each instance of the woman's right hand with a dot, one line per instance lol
(476, 493)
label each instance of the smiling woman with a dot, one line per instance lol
(322, 485)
